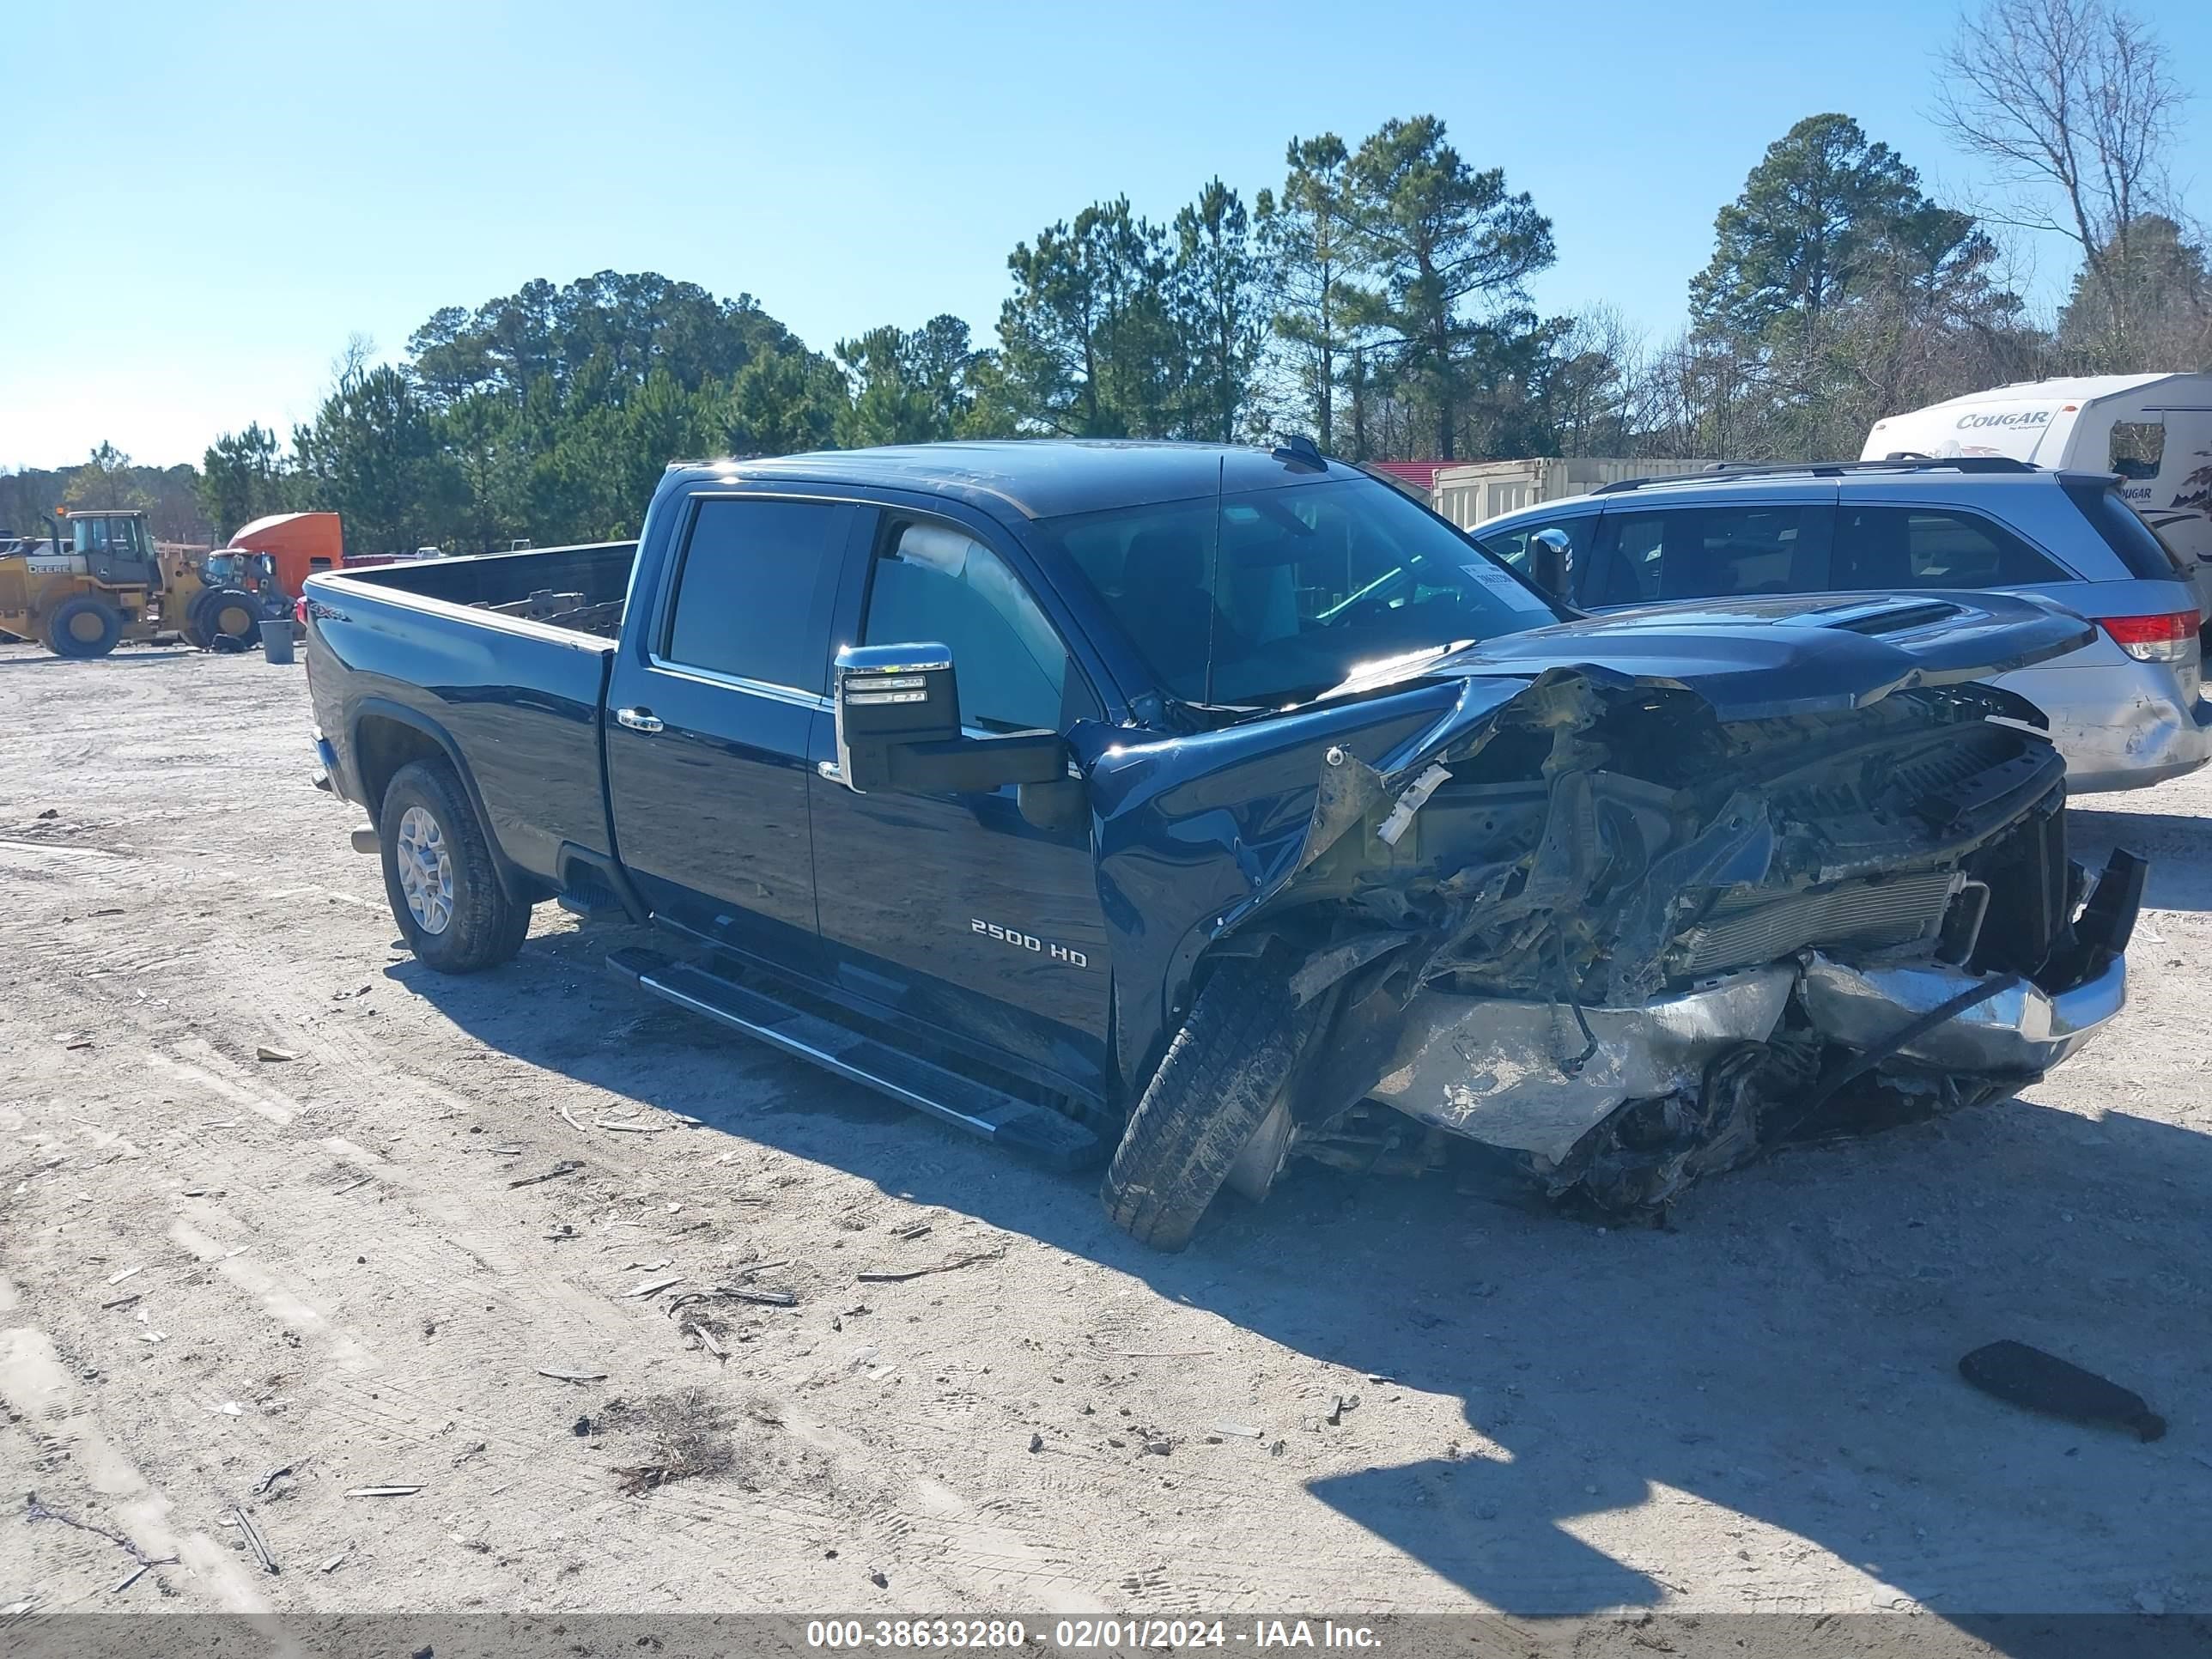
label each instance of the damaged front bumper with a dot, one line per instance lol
(1523, 1076)
(1553, 1081)
(2021, 1031)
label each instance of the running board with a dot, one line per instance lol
(1036, 1131)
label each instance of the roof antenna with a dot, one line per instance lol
(1300, 451)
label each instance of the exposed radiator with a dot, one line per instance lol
(1758, 928)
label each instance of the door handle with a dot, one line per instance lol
(638, 720)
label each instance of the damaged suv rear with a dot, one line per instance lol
(1632, 899)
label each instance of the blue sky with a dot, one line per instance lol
(232, 189)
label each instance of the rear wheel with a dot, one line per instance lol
(439, 877)
(1221, 1079)
(85, 626)
(227, 613)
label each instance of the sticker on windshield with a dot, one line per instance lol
(1500, 583)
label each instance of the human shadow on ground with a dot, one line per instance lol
(1787, 1352)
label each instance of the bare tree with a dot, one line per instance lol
(2070, 100)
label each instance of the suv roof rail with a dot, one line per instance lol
(1901, 462)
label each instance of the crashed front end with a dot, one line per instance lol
(1635, 943)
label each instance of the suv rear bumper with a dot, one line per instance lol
(2119, 727)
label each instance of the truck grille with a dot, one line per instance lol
(1760, 927)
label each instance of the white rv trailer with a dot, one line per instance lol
(2155, 430)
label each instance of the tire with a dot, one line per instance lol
(84, 626)
(467, 923)
(230, 613)
(1214, 1089)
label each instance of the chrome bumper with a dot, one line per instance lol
(1513, 1074)
(2017, 1031)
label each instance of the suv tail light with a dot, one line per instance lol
(2169, 637)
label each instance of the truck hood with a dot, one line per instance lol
(1769, 655)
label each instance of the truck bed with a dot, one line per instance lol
(579, 588)
(504, 658)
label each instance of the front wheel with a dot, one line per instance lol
(1222, 1075)
(227, 613)
(85, 626)
(439, 877)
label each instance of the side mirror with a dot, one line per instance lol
(898, 729)
(1551, 563)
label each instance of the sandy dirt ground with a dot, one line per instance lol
(266, 1245)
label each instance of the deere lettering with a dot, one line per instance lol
(2016, 417)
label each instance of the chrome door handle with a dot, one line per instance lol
(638, 720)
(830, 770)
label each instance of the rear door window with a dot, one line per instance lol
(1904, 548)
(1708, 552)
(753, 595)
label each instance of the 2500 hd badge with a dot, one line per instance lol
(1015, 937)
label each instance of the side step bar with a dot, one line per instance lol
(1036, 1131)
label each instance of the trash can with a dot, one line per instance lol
(277, 641)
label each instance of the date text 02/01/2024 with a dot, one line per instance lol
(1087, 1634)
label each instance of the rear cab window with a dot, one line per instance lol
(753, 593)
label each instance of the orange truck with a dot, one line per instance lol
(298, 545)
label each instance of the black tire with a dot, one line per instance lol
(1213, 1091)
(84, 626)
(230, 613)
(480, 927)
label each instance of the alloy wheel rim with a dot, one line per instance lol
(426, 871)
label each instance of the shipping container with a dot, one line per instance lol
(1474, 495)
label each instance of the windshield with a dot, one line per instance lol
(1305, 585)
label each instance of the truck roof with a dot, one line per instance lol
(1041, 478)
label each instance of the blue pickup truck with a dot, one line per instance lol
(1211, 807)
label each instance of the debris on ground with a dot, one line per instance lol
(911, 1231)
(2023, 1375)
(655, 1286)
(384, 1491)
(261, 1487)
(33, 1512)
(566, 1166)
(573, 1377)
(685, 1434)
(764, 1296)
(275, 1056)
(254, 1540)
(890, 1277)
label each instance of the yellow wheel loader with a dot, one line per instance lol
(98, 580)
